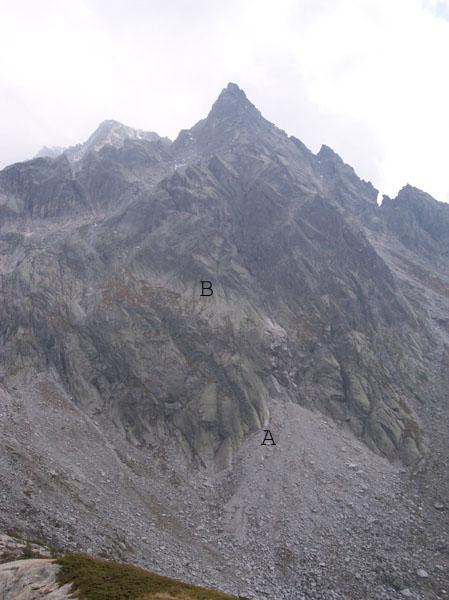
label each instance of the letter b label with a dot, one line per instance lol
(206, 288)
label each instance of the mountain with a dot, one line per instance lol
(50, 152)
(108, 133)
(134, 407)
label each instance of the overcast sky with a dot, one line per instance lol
(367, 77)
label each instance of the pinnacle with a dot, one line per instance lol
(233, 88)
(326, 152)
(232, 100)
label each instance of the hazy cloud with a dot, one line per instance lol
(366, 77)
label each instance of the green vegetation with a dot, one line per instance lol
(96, 579)
(28, 551)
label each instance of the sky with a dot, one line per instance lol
(369, 78)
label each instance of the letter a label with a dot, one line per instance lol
(206, 286)
(268, 439)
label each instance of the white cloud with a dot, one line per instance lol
(367, 77)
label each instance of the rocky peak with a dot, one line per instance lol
(326, 153)
(109, 133)
(339, 175)
(50, 152)
(419, 221)
(413, 200)
(413, 196)
(232, 103)
(232, 122)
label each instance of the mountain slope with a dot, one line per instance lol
(328, 311)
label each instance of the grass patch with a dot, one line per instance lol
(98, 579)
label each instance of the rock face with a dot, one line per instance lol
(321, 298)
(111, 302)
(28, 572)
(32, 579)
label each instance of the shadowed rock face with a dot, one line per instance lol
(101, 264)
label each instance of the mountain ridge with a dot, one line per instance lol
(258, 169)
(327, 325)
(108, 133)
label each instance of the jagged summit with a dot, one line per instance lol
(232, 89)
(232, 105)
(419, 221)
(409, 192)
(109, 132)
(327, 153)
(49, 152)
(232, 121)
(231, 100)
(410, 197)
(112, 133)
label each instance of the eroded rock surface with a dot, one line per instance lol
(32, 579)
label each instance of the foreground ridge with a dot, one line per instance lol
(85, 577)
